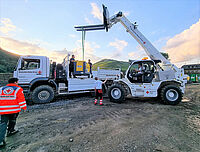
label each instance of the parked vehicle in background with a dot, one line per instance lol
(193, 71)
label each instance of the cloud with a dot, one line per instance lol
(119, 45)
(126, 13)
(28, 48)
(72, 35)
(161, 40)
(20, 47)
(6, 26)
(137, 55)
(89, 51)
(96, 11)
(131, 54)
(185, 46)
(88, 21)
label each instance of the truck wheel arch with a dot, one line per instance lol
(169, 83)
(42, 81)
(165, 83)
(125, 86)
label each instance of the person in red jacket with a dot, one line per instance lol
(11, 102)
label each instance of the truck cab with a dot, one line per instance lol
(31, 67)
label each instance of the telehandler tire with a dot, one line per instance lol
(116, 93)
(171, 94)
(42, 94)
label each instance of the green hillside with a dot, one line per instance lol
(7, 61)
(111, 64)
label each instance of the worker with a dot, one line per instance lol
(89, 62)
(139, 69)
(71, 66)
(98, 91)
(139, 73)
(11, 102)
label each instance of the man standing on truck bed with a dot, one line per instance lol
(90, 63)
(11, 102)
(71, 66)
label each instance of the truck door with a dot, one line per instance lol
(29, 69)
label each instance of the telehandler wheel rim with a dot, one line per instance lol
(172, 95)
(43, 95)
(116, 93)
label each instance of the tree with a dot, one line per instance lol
(166, 55)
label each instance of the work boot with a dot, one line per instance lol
(10, 133)
(101, 102)
(2, 144)
(95, 101)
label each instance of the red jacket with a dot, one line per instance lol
(11, 99)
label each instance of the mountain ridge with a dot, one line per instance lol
(9, 60)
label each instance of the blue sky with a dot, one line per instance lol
(47, 27)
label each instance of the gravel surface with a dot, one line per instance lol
(75, 124)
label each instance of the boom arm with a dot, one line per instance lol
(151, 51)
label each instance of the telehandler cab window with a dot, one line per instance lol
(133, 71)
(30, 64)
(148, 66)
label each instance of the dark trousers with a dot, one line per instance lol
(71, 72)
(7, 121)
(98, 94)
(139, 77)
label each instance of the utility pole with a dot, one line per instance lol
(83, 42)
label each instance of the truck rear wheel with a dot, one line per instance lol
(42, 94)
(116, 93)
(171, 94)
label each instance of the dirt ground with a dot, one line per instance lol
(75, 124)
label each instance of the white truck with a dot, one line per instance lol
(41, 80)
(156, 77)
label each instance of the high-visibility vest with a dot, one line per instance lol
(11, 99)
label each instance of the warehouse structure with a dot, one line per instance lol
(193, 71)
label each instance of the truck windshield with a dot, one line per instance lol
(30, 64)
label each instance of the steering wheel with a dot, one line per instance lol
(132, 73)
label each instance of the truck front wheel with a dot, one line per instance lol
(42, 94)
(116, 93)
(171, 94)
